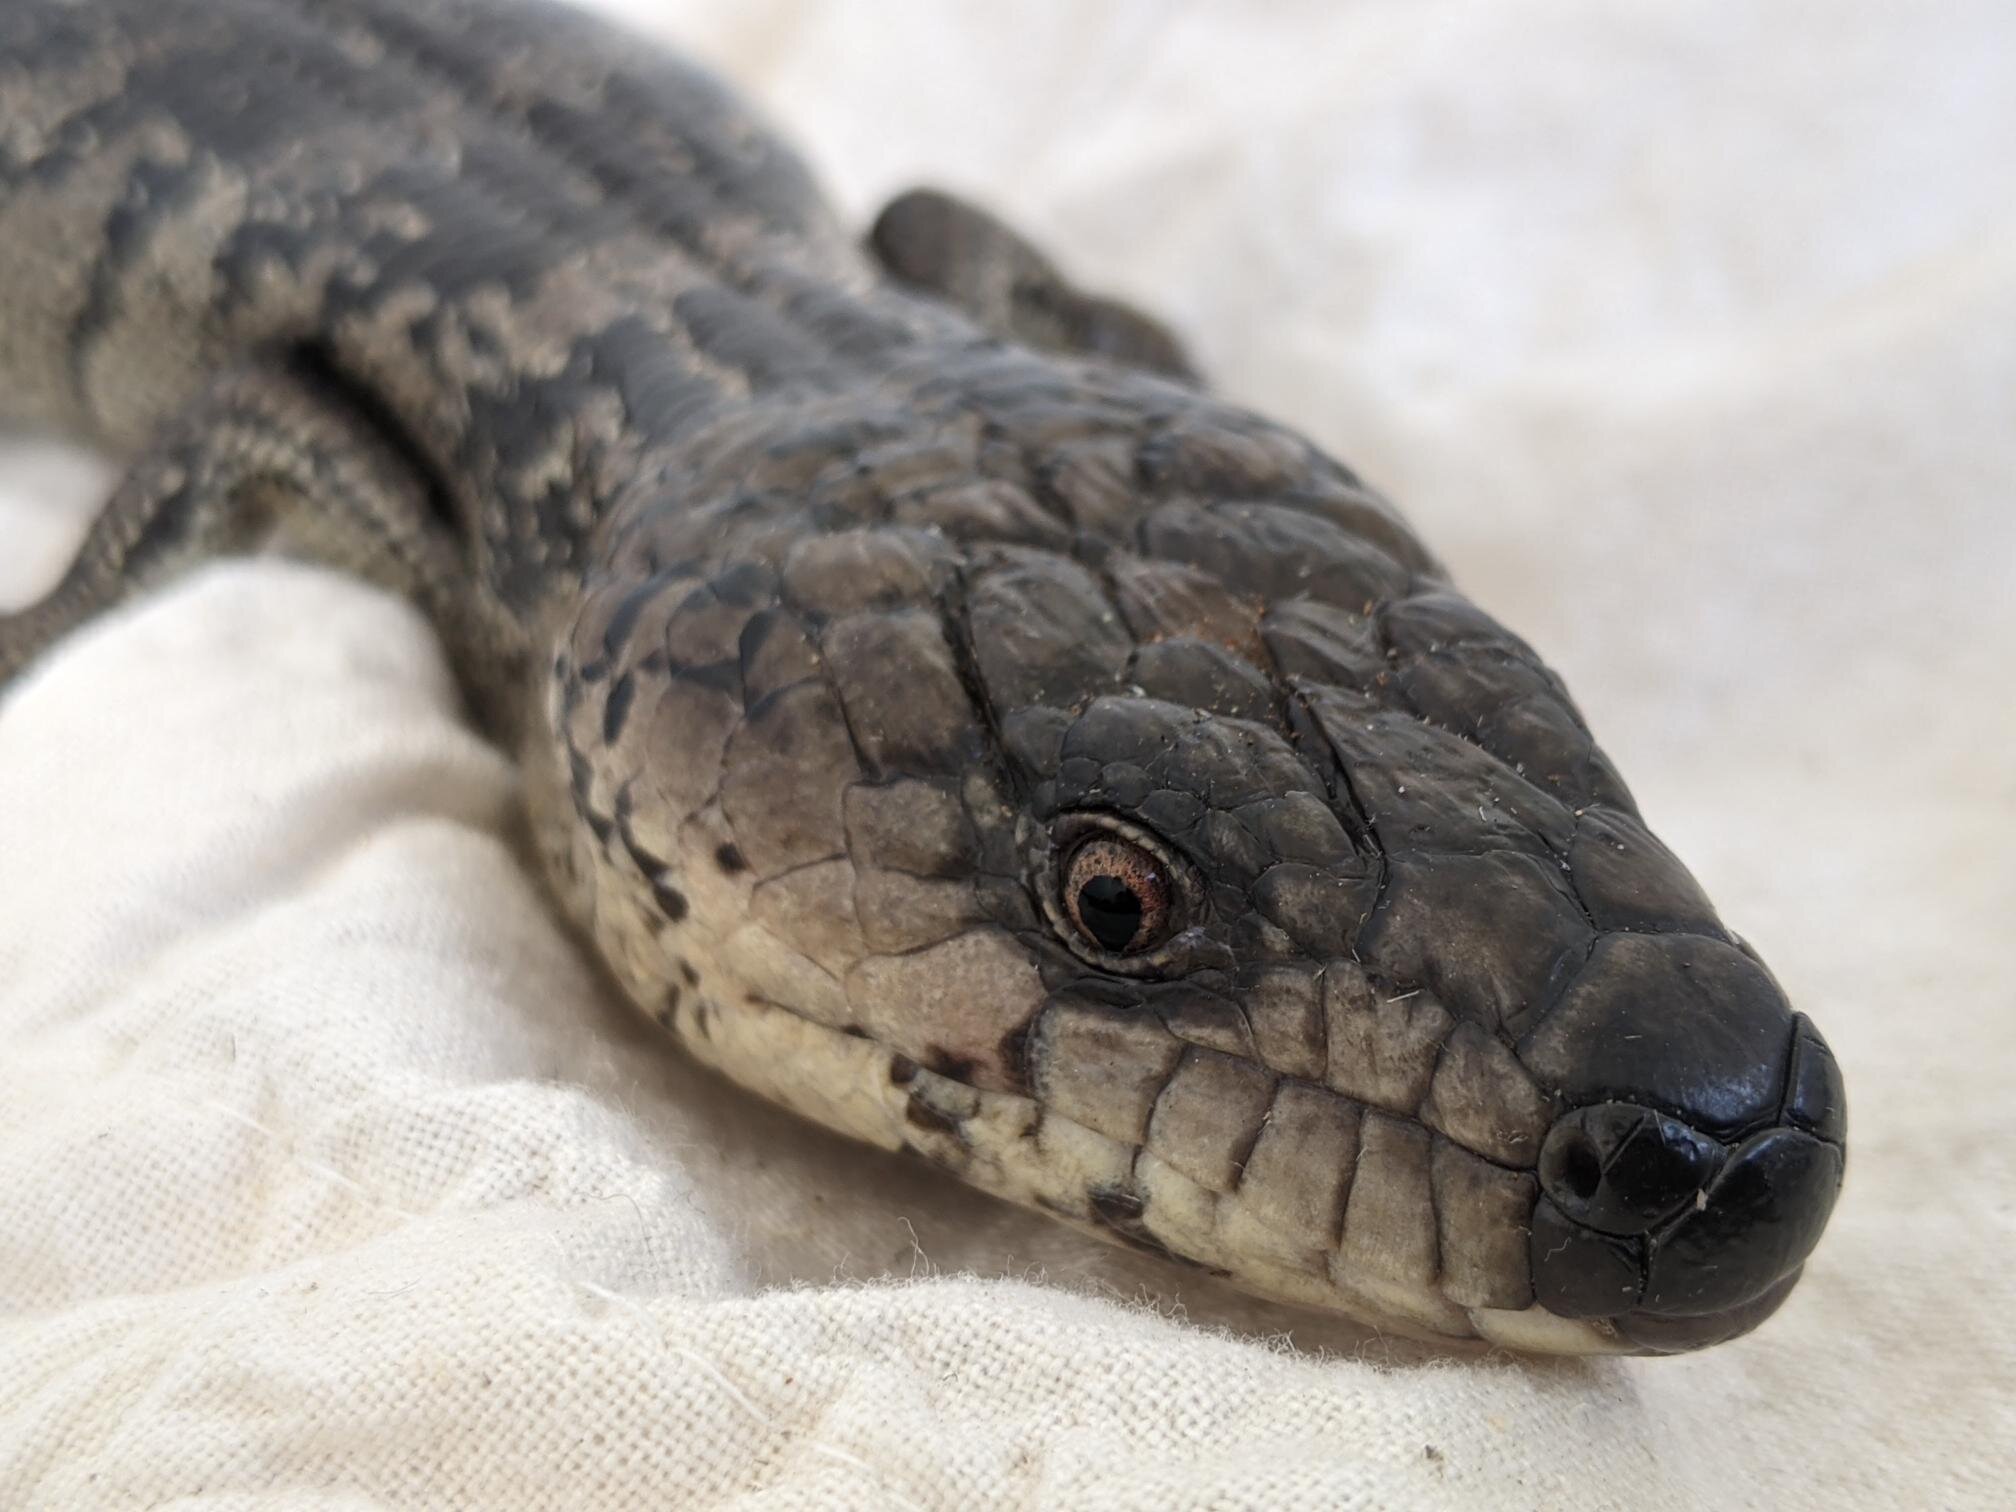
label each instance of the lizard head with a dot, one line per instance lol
(1135, 822)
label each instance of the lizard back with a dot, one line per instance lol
(536, 249)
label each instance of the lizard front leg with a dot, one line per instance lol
(948, 247)
(268, 456)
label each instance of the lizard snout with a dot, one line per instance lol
(1679, 1238)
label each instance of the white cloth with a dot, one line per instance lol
(329, 1177)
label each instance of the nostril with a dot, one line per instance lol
(1580, 1167)
(1622, 1168)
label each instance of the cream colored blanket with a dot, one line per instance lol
(1686, 333)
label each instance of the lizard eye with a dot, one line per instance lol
(1119, 895)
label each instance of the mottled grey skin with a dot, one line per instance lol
(835, 594)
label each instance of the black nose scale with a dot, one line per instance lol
(1623, 1169)
(1684, 1237)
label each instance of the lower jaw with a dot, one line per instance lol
(1655, 1333)
(760, 1045)
(768, 1050)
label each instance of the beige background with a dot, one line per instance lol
(1687, 335)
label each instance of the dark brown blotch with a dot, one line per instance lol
(959, 1068)
(1118, 1206)
(1013, 1058)
(925, 1115)
(1119, 1210)
(616, 711)
(668, 1007)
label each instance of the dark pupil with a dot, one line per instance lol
(1111, 911)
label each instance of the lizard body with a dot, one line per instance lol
(939, 712)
